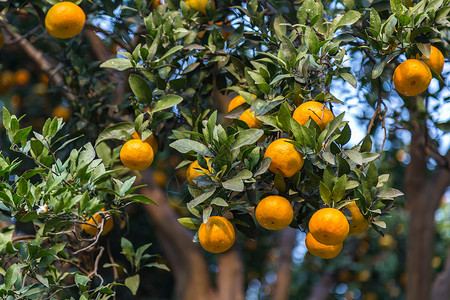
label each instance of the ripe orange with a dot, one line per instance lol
(22, 77)
(136, 155)
(62, 111)
(200, 5)
(285, 159)
(249, 118)
(151, 140)
(412, 77)
(237, 101)
(274, 213)
(322, 250)
(92, 230)
(329, 226)
(192, 172)
(314, 110)
(358, 223)
(64, 20)
(435, 61)
(217, 235)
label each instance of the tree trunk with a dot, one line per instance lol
(186, 258)
(284, 272)
(423, 195)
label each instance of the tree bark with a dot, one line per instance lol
(441, 285)
(284, 272)
(230, 278)
(423, 195)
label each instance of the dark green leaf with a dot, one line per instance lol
(166, 102)
(12, 274)
(339, 188)
(120, 64)
(234, 184)
(140, 88)
(247, 137)
(325, 193)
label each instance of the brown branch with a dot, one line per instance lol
(38, 57)
(284, 272)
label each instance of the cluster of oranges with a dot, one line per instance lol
(413, 76)
(329, 227)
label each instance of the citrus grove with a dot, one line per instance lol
(231, 106)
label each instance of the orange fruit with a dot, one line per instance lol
(321, 250)
(358, 223)
(329, 226)
(317, 111)
(285, 159)
(6, 81)
(151, 140)
(435, 61)
(194, 170)
(22, 77)
(92, 230)
(249, 118)
(136, 155)
(237, 101)
(274, 213)
(160, 178)
(200, 5)
(62, 111)
(412, 77)
(64, 20)
(217, 235)
(44, 78)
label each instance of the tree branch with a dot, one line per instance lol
(230, 278)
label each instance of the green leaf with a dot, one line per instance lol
(311, 40)
(11, 276)
(138, 255)
(367, 144)
(343, 166)
(157, 265)
(190, 223)
(171, 51)
(355, 156)
(120, 64)
(120, 131)
(219, 202)
(390, 193)
(339, 188)
(280, 30)
(345, 135)
(140, 88)
(133, 283)
(396, 7)
(375, 21)
(348, 18)
(234, 184)
(6, 118)
(167, 101)
(284, 117)
(21, 135)
(350, 78)
(325, 193)
(200, 199)
(379, 66)
(372, 174)
(127, 250)
(186, 145)
(279, 183)
(247, 137)
(81, 280)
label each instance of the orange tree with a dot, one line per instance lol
(282, 138)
